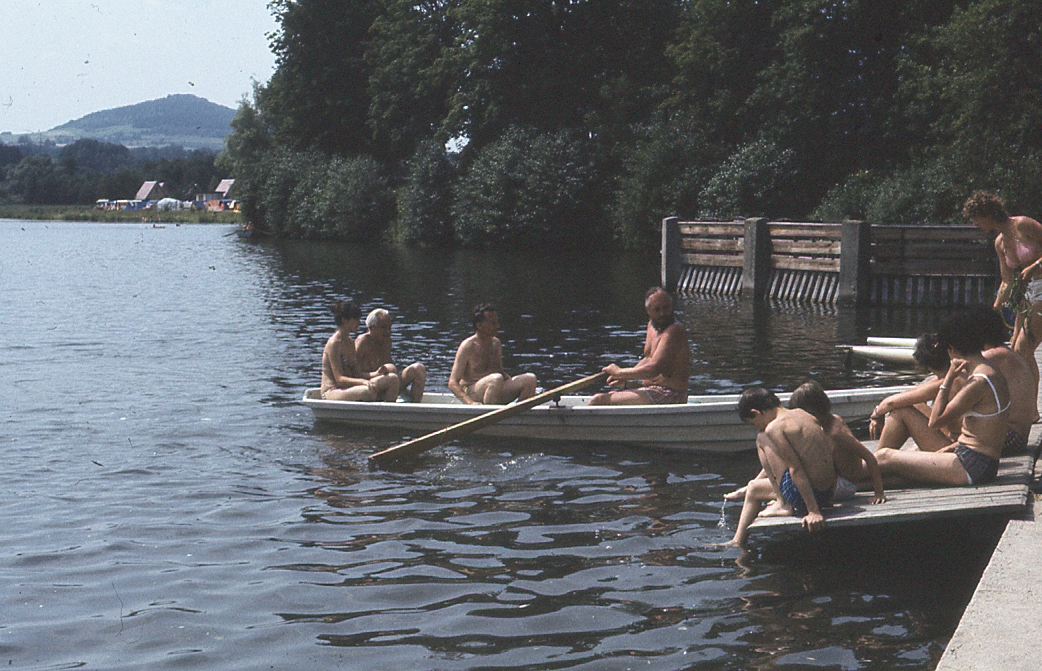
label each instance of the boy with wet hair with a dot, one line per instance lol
(796, 455)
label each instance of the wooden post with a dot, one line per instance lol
(670, 253)
(854, 267)
(756, 265)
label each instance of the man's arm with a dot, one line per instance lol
(459, 370)
(813, 520)
(657, 364)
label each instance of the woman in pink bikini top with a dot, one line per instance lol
(1019, 248)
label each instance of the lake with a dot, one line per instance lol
(169, 504)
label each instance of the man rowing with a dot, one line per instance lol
(663, 371)
(477, 373)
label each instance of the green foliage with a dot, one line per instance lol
(412, 76)
(308, 194)
(425, 198)
(753, 181)
(634, 110)
(318, 95)
(529, 188)
(662, 175)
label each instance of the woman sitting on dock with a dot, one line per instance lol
(906, 415)
(982, 403)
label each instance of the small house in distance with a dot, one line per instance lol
(151, 191)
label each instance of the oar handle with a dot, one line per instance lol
(424, 443)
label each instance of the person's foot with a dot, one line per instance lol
(777, 509)
(736, 495)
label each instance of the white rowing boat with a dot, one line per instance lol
(891, 342)
(703, 424)
(901, 356)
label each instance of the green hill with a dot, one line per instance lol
(181, 119)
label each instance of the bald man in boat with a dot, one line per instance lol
(477, 373)
(663, 371)
(374, 351)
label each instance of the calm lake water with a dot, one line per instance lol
(168, 504)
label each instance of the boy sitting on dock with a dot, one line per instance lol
(796, 455)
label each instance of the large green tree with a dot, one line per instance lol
(318, 96)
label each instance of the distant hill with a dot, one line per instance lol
(181, 119)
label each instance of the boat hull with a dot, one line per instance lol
(901, 356)
(704, 424)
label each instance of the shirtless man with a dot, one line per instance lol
(374, 351)
(796, 455)
(664, 368)
(1023, 408)
(477, 373)
(342, 380)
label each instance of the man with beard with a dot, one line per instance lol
(663, 372)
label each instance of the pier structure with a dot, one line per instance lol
(1002, 624)
(846, 262)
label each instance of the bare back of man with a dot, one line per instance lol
(1023, 409)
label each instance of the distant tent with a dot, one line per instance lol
(167, 204)
(225, 187)
(151, 191)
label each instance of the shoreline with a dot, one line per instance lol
(87, 213)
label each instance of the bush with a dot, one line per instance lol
(661, 176)
(308, 194)
(425, 198)
(529, 188)
(750, 183)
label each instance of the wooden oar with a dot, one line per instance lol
(424, 443)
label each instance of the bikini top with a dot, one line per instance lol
(970, 413)
(1021, 253)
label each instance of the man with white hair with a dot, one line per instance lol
(374, 350)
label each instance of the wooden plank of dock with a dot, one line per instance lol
(1008, 493)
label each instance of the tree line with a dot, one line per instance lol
(87, 170)
(564, 122)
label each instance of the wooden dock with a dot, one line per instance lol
(1009, 493)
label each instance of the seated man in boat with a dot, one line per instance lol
(663, 371)
(796, 456)
(342, 380)
(477, 373)
(374, 351)
(983, 403)
(1023, 408)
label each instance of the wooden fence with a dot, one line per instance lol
(829, 263)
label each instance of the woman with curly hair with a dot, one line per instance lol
(1019, 248)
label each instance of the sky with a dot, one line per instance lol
(63, 59)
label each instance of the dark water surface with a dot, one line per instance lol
(166, 503)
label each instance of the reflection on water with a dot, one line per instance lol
(169, 503)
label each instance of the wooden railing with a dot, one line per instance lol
(908, 265)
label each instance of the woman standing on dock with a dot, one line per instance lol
(982, 403)
(1019, 247)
